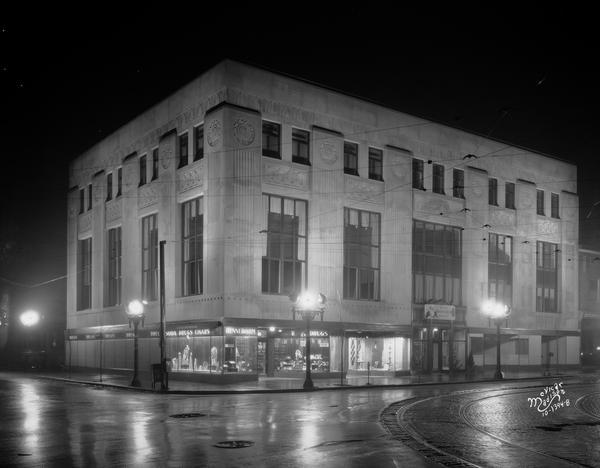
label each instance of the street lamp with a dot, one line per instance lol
(30, 319)
(135, 314)
(308, 305)
(498, 312)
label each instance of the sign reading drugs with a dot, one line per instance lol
(440, 312)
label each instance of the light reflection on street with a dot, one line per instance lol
(31, 405)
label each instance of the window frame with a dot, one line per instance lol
(418, 168)
(184, 160)
(492, 191)
(544, 269)
(84, 274)
(195, 265)
(438, 179)
(119, 182)
(495, 266)
(269, 135)
(198, 136)
(348, 169)
(90, 202)
(375, 163)
(155, 159)
(149, 244)
(143, 170)
(109, 186)
(458, 191)
(540, 202)
(114, 246)
(297, 143)
(509, 201)
(554, 205)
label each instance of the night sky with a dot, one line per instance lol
(528, 78)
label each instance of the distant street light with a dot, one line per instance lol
(135, 314)
(498, 312)
(308, 305)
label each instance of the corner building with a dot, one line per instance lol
(262, 185)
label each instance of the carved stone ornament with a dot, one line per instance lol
(283, 174)
(147, 195)
(364, 191)
(85, 222)
(114, 210)
(243, 132)
(214, 132)
(329, 152)
(193, 177)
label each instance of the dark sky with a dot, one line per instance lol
(70, 78)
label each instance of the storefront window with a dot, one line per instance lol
(195, 353)
(378, 353)
(240, 354)
(290, 353)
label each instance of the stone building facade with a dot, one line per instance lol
(262, 185)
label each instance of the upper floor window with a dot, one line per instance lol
(119, 181)
(361, 254)
(350, 158)
(438, 178)
(113, 295)
(417, 174)
(437, 263)
(554, 205)
(493, 191)
(81, 200)
(109, 187)
(500, 268)
(540, 202)
(300, 146)
(143, 170)
(198, 142)
(192, 234)
(150, 258)
(271, 139)
(183, 149)
(458, 183)
(89, 196)
(155, 164)
(546, 277)
(284, 265)
(509, 195)
(375, 164)
(84, 274)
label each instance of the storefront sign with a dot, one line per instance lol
(240, 331)
(316, 333)
(440, 312)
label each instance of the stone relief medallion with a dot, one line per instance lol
(328, 152)
(243, 132)
(214, 132)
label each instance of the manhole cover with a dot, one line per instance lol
(233, 444)
(188, 415)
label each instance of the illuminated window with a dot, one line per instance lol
(546, 277)
(284, 265)
(114, 267)
(361, 254)
(500, 268)
(84, 274)
(192, 233)
(437, 263)
(150, 258)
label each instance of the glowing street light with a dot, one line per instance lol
(30, 318)
(135, 314)
(498, 312)
(308, 305)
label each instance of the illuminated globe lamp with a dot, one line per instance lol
(135, 314)
(498, 312)
(30, 318)
(308, 306)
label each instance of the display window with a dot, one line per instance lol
(378, 353)
(290, 354)
(195, 353)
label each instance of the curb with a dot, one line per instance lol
(291, 390)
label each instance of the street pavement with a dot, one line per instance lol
(55, 423)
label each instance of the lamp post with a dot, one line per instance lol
(307, 306)
(135, 314)
(498, 312)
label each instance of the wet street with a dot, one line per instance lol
(483, 424)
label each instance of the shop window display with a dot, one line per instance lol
(378, 354)
(290, 353)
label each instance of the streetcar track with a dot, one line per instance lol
(392, 418)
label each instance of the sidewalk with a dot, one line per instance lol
(285, 384)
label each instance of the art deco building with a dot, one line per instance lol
(262, 185)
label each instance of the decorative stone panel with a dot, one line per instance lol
(502, 218)
(243, 131)
(363, 190)
(84, 223)
(280, 173)
(147, 195)
(114, 210)
(214, 132)
(190, 178)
